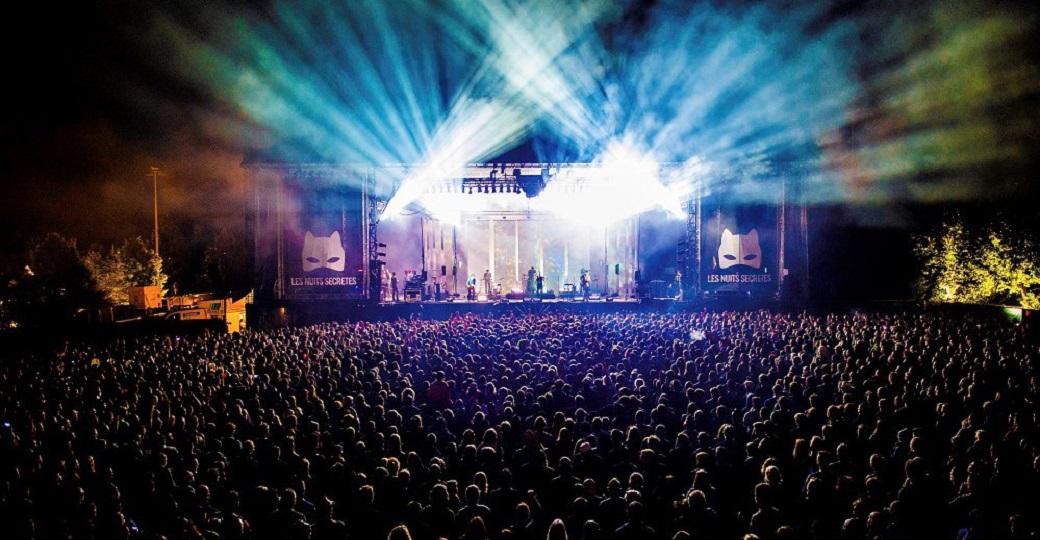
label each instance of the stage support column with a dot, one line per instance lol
(606, 263)
(566, 264)
(590, 246)
(803, 224)
(781, 224)
(422, 235)
(630, 240)
(541, 253)
(634, 266)
(454, 262)
(279, 286)
(491, 249)
(516, 251)
(631, 254)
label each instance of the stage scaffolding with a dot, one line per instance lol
(688, 252)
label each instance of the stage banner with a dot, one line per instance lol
(324, 248)
(740, 245)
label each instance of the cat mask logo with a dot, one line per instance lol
(740, 249)
(322, 252)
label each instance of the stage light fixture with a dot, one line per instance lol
(531, 185)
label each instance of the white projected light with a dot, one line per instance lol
(623, 182)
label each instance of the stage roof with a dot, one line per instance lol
(531, 149)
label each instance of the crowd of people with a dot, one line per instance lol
(729, 425)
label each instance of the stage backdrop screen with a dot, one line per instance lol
(324, 250)
(739, 251)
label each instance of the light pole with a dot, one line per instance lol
(154, 173)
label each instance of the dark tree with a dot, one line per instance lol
(55, 283)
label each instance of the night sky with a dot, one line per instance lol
(88, 107)
(91, 101)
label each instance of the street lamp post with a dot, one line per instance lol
(155, 207)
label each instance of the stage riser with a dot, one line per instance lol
(300, 314)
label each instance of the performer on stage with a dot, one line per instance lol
(540, 285)
(471, 287)
(393, 287)
(487, 284)
(584, 284)
(530, 281)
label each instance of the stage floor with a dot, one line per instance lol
(592, 300)
(315, 312)
(443, 309)
(303, 313)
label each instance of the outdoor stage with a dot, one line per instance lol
(330, 242)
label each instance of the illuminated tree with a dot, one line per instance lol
(142, 265)
(948, 271)
(959, 265)
(1010, 272)
(106, 268)
(133, 264)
